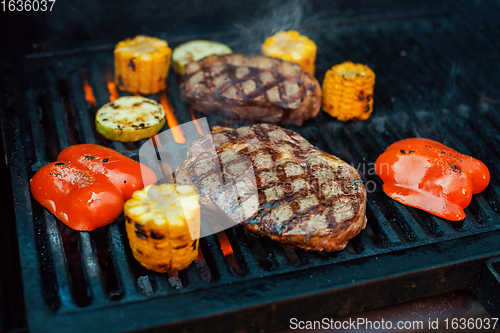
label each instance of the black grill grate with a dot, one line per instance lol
(430, 82)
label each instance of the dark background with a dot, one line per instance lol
(79, 23)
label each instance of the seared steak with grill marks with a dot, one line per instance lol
(259, 88)
(305, 197)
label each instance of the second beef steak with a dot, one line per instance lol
(259, 88)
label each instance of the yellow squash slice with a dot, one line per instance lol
(130, 118)
(142, 64)
(291, 46)
(160, 222)
(195, 50)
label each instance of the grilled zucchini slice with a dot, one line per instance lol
(195, 50)
(130, 118)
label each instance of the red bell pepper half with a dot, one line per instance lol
(88, 184)
(426, 174)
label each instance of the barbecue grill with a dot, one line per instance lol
(437, 77)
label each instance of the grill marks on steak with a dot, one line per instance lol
(305, 198)
(258, 88)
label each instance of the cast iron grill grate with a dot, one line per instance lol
(429, 83)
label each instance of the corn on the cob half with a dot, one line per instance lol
(348, 91)
(142, 64)
(291, 46)
(163, 223)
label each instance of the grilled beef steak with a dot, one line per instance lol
(259, 88)
(305, 198)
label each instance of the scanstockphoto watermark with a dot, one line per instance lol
(226, 185)
(368, 169)
(226, 182)
(469, 324)
(355, 324)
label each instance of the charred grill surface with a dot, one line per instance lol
(259, 88)
(306, 198)
(434, 80)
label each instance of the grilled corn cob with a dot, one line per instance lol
(130, 118)
(291, 46)
(348, 91)
(163, 226)
(142, 64)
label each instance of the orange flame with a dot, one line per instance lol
(87, 88)
(156, 141)
(200, 254)
(224, 244)
(171, 119)
(172, 274)
(198, 128)
(113, 92)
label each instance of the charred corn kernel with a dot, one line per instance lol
(163, 226)
(291, 46)
(142, 64)
(130, 118)
(348, 91)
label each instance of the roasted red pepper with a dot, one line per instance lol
(426, 174)
(88, 184)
